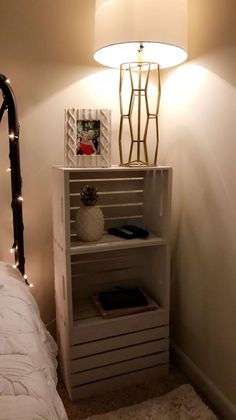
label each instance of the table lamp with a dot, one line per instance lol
(139, 37)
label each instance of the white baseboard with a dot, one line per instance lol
(224, 406)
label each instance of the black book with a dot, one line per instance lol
(122, 298)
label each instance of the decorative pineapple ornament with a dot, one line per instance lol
(89, 218)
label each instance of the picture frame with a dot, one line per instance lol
(87, 138)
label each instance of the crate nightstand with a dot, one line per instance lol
(98, 354)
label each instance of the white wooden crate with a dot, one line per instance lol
(97, 353)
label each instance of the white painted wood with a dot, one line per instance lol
(111, 222)
(96, 328)
(113, 198)
(115, 356)
(64, 318)
(108, 243)
(140, 196)
(126, 210)
(120, 368)
(109, 185)
(83, 172)
(121, 381)
(100, 346)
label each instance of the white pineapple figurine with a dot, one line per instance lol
(89, 218)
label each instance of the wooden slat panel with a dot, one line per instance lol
(119, 197)
(104, 276)
(115, 356)
(119, 381)
(124, 340)
(96, 275)
(113, 222)
(119, 368)
(98, 328)
(127, 210)
(112, 169)
(120, 173)
(115, 279)
(112, 184)
(106, 255)
(105, 263)
(95, 269)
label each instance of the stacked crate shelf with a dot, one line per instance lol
(98, 354)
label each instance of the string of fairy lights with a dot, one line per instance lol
(9, 105)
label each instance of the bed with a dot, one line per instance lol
(28, 361)
(27, 355)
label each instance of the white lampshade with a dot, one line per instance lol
(159, 25)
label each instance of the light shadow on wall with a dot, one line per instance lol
(198, 140)
(45, 46)
(203, 258)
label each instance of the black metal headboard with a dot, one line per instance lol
(9, 105)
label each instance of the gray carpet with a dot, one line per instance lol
(182, 403)
(111, 401)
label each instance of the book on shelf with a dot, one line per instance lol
(123, 301)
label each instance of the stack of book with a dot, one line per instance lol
(123, 301)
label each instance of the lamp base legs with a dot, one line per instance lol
(135, 81)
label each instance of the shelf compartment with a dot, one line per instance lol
(92, 273)
(127, 196)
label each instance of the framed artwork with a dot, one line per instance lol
(87, 138)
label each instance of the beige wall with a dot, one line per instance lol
(46, 50)
(199, 140)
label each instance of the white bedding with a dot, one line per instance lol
(27, 355)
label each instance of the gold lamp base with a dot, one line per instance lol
(136, 107)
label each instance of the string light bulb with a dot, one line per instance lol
(7, 81)
(26, 281)
(13, 248)
(13, 136)
(19, 198)
(8, 169)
